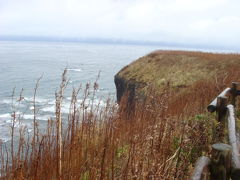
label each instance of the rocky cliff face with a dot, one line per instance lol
(124, 87)
(121, 86)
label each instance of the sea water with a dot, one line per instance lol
(23, 63)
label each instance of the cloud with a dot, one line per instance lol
(184, 21)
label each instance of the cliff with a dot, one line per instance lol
(179, 69)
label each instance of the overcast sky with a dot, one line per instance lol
(181, 21)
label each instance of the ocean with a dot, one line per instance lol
(22, 63)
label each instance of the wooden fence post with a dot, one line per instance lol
(221, 108)
(220, 168)
(221, 117)
(201, 170)
(212, 107)
(234, 93)
(235, 169)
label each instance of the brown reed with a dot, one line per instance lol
(160, 138)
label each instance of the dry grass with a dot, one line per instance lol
(179, 68)
(160, 138)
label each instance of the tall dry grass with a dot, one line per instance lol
(157, 138)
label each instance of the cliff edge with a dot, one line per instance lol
(179, 69)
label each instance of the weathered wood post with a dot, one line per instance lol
(201, 170)
(235, 168)
(234, 93)
(212, 107)
(220, 168)
(221, 108)
(221, 117)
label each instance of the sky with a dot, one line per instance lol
(210, 22)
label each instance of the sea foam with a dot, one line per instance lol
(75, 69)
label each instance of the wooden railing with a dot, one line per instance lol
(224, 163)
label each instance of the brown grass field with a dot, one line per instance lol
(160, 139)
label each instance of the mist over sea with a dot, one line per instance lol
(22, 63)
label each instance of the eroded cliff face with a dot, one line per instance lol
(120, 87)
(125, 87)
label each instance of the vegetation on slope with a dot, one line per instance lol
(180, 69)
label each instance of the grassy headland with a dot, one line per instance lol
(179, 69)
(160, 139)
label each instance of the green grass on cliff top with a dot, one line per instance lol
(179, 68)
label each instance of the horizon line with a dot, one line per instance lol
(97, 40)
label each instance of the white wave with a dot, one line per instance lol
(66, 105)
(9, 121)
(101, 103)
(4, 139)
(75, 69)
(52, 102)
(8, 118)
(28, 99)
(7, 115)
(38, 117)
(17, 124)
(37, 99)
(45, 118)
(4, 123)
(6, 101)
(28, 116)
(64, 108)
(49, 109)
